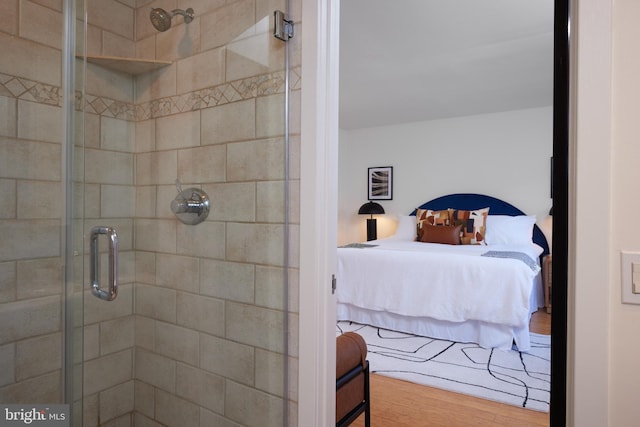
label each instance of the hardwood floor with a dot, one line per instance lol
(397, 403)
(541, 322)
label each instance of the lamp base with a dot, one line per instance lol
(372, 229)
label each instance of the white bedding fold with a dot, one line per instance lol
(452, 283)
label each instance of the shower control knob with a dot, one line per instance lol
(191, 206)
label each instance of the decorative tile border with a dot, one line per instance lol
(251, 87)
(108, 107)
(29, 90)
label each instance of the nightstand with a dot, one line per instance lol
(546, 281)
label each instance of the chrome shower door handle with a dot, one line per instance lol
(112, 292)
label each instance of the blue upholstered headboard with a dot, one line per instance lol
(470, 201)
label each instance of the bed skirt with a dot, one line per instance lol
(487, 335)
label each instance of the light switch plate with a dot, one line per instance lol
(630, 264)
(635, 277)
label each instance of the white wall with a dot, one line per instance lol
(624, 347)
(505, 155)
(593, 261)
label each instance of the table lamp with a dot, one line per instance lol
(371, 208)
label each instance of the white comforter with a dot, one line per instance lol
(451, 283)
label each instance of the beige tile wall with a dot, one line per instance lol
(30, 207)
(196, 333)
(217, 118)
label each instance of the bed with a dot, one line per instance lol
(482, 292)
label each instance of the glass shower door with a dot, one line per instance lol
(198, 332)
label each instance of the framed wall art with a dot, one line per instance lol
(380, 183)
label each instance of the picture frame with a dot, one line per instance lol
(380, 183)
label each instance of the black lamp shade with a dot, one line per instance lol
(371, 208)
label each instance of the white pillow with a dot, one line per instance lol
(509, 230)
(406, 228)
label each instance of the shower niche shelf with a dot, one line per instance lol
(133, 66)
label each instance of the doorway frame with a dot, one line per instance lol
(318, 201)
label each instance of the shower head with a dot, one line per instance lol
(161, 19)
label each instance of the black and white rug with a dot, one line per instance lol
(512, 377)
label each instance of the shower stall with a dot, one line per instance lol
(149, 176)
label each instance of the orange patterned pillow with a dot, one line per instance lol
(474, 225)
(427, 216)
